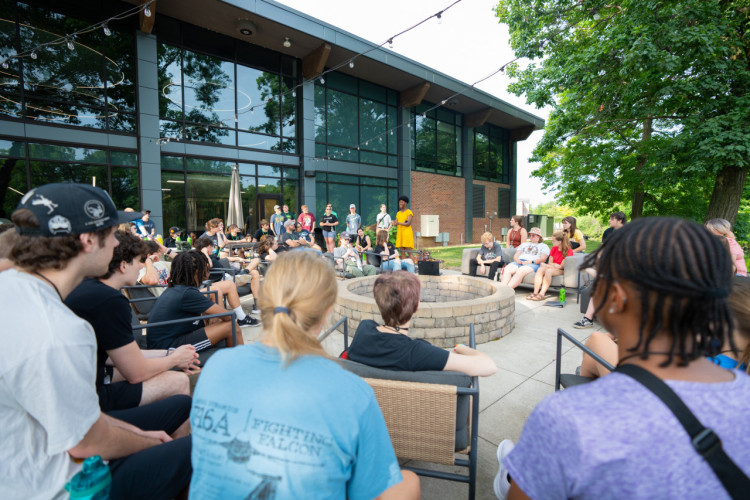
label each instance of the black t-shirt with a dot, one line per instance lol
(607, 233)
(259, 234)
(330, 218)
(286, 236)
(361, 241)
(109, 314)
(176, 302)
(393, 351)
(239, 236)
(391, 249)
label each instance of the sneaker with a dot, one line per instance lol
(255, 311)
(584, 323)
(248, 321)
(502, 483)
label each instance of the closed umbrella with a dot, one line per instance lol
(234, 214)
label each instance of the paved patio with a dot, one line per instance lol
(526, 374)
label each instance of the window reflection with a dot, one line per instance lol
(489, 154)
(436, 140)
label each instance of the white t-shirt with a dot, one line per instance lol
(533, 251)
(47, 396)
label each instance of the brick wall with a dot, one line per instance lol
(433, 194)
(490, 205)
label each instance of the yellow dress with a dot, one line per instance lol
(404, 234)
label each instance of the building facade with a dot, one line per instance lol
(159, 109)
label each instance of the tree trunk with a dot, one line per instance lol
(727, 194)
(639, 196)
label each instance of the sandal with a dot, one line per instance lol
(532, 296)
(538, 297)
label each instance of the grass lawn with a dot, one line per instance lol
(452, 255)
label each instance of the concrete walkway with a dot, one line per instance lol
(526, 374)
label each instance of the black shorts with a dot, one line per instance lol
(197, 339)
(119, 395)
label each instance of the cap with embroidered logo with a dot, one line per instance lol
(64, 208)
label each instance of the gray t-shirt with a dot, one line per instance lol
(490, 253)
(353, 221)
(613, 438)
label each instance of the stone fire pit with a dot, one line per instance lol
(448, 304)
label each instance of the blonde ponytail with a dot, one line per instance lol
(295, 297)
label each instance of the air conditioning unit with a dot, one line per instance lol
(430, 225)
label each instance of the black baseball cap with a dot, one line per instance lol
(65, 208)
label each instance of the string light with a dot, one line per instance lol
(5, 64)
(70, 44)
(390, 43)
(440, 17)
(33, 54)
(107, 31)
(351, 64)
(322, 81)
(146, 11)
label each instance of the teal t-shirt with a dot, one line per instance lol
(310, 429)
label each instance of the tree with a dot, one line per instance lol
(650, 101)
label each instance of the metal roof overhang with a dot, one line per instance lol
(275, 21)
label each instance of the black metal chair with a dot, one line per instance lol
(565, 380)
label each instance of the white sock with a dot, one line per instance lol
(240, 313)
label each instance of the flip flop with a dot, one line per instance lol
(532, 296)
(538, 297)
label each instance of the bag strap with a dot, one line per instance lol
(704, 440)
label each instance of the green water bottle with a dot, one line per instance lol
(93, 482)
(561, 299)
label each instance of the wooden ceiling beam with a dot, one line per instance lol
(477, 119)
(147, 23)
(314, 62)
(413, 96)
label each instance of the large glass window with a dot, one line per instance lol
(368, 193)
(197, 189)
(436, 140)
(90, 85)
(491, 154)
(355, 121)
(211, 99)
(27, 165)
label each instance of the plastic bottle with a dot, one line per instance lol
(93, 482)
(562, 295)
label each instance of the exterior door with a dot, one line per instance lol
(266, 202)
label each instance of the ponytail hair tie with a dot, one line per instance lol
(280, 309)
(716, 293)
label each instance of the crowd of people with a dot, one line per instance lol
(672, 296)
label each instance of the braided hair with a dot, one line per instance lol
(189, 269)
(683, 275)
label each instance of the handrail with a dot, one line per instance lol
(558, 362)
(345, 321)
(185, 320)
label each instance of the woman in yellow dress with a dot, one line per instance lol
(404, 231)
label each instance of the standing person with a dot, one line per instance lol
(383, 220)
(353, 220)
(50, 409)
(527, 259)
(404, 231)
(334, 447)
(577, 241)
(554, 266)
(249, 222)
(328, 223)
(661, 290)
(148, 225)
(616, 221)
(490, 253)
(287, 214)
(517, 234)
(263, 230)
(722, 227)
(277, 222)
(307, 219)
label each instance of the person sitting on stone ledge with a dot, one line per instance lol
(390, 347)
(127, 377)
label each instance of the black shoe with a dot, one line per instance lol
(248, 321)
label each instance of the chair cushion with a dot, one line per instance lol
(457, 379)
(570, 379)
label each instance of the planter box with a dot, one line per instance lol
(429, 268)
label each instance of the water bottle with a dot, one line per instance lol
(160, 239)
(561, 299)
(93, 482)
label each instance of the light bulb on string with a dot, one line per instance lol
(351, 64)
(391, 132)
(70, 44)
(106, 30)
(5, 64)
(33, 54)
(443, 102)
(146, 11)
(322, 81)
(390, 43)
(294, 93)
(440, 17)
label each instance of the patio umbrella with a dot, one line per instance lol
(234, 214)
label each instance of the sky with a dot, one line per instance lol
(468, 44)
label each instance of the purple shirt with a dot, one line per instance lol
(612, 438)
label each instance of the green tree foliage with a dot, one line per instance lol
(650, 101)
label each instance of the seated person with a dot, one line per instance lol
(362, 242)
(390, 347)
(490, 253)
(267, 248)
(527, 259)
(234, 233)
(155, 271)
(183, 299)
(391, 260)
(264, 230)
(215, 232)
(332, 446)
(577, 241)
(290, 240)
(553, 267)
(127, 377)
(318, 241)
(661, 290)
(175, 235)
(349, 259)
